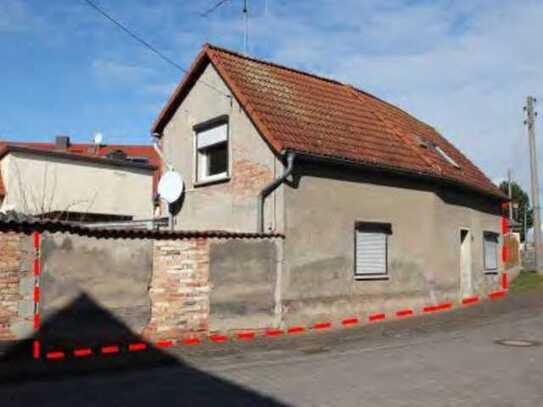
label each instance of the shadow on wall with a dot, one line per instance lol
(155, 376)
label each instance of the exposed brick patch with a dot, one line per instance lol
(16, 291)
(179, 289)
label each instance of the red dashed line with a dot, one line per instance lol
(245, 336)
(36, 240)
(36, 294)
(191, 341)
(350, 322)
(37, 267)
(435, 308)
(497, 294)
(136, 347)
(36, 349)
(218, 338)
(376, 317)
(404, 313)
(80, 353)
(109, 349)
(296, 330)
(505, 225)
(322, 325)
(505, 281)
(274, 332)
(36, 321)
(470, 300)
(164, 344)
(54, 355)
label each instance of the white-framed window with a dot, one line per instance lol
(490, 251)
(371, 250)
(211, 150)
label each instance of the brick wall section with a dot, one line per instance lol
(179, 289)
(16, 302)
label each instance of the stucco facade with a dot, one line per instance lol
(38, 183)
(423, 248)
(231, 203)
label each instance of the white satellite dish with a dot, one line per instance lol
(170, 186)
(98, 138)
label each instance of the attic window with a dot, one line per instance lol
(422, 142)
(445, 156)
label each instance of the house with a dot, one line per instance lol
(378, 209)
(80, 182)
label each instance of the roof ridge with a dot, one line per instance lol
(394, 130)
(274, 64)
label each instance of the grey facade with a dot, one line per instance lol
(317, 209)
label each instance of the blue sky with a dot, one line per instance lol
(463, 66)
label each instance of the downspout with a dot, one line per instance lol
(269, 188)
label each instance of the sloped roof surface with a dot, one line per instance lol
(297, 111)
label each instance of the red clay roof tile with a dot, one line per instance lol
(297, 111)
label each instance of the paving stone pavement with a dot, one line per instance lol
(450, 359)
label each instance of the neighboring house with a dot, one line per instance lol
(78, 181)
(379, 210)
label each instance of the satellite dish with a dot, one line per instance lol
(170, 186)
(98, 138)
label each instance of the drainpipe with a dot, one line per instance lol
(269, 188)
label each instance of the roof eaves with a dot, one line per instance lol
(400, 171)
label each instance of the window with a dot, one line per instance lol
(490, 251)
(371, 250)
(212, 150)
(445, 156)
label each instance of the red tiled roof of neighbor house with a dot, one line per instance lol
(90, 151)
(305, 113)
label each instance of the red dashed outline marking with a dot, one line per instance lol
(36, 320)
(245, 335)
(250, 335)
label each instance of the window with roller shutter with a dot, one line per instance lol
(371, 250)
(490, 251)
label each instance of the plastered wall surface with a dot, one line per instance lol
(423, 249)
(229, 205)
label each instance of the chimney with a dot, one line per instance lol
(62, 143)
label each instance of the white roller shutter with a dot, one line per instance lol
(211, 136)
(371, 254)
(490, 249)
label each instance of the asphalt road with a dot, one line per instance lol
(445, 360)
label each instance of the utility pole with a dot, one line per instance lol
(510, 194)
(530, 122)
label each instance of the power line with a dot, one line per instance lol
(147, 44)
(212, 9)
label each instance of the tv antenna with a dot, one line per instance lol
(245, 19)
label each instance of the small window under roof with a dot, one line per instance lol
(445, 156)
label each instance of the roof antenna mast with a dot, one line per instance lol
(246, 27)
(245, 20)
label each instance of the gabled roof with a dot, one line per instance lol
(305, 113)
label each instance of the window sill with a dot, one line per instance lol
(490, 272)
(212, 181)
(372, 278)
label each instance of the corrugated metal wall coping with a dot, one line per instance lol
(28, 227)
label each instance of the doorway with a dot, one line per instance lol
(465, 263)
